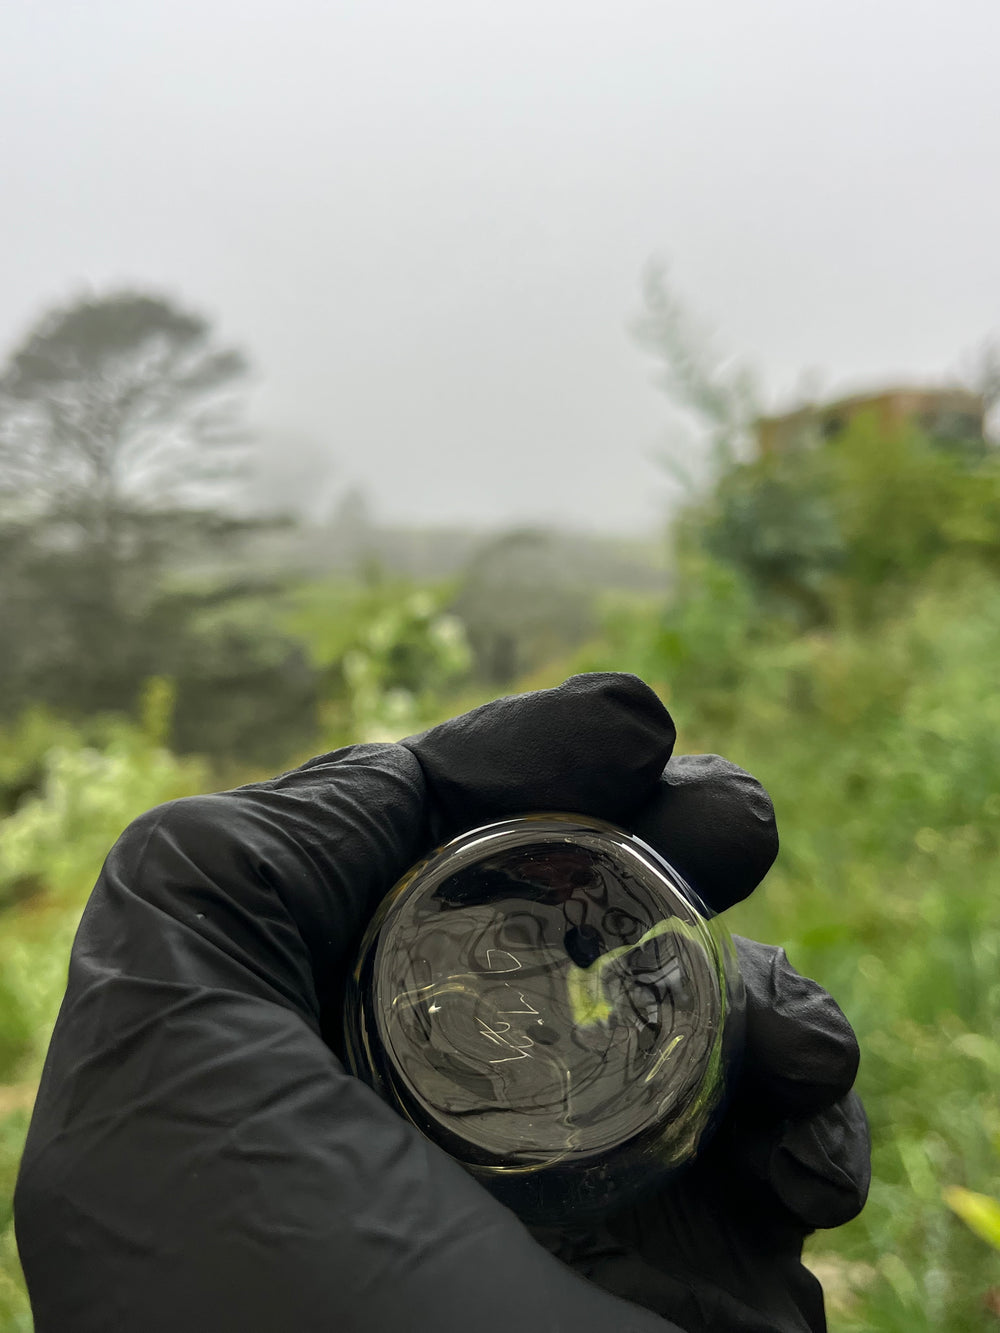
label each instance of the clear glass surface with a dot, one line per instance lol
(547, 999)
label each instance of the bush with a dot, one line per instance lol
(853, 527)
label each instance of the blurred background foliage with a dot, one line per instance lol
(826, 615)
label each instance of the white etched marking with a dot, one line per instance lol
(492, 1035)
(516, 966)
(526, 1010)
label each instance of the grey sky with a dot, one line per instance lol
(426, 222)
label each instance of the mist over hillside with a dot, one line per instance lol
(353, 541)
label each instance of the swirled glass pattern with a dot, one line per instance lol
(545, 998)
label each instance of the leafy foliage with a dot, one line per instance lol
(386, 653)
(834, 626)
(977, 1211)
(852, 527)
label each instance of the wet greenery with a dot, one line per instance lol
(846, 652)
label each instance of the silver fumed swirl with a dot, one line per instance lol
(544, 1002)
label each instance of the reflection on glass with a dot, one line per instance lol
(546, 999)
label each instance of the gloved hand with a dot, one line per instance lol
(719, 1247)
(199, 1159)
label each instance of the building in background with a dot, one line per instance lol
(952, 416)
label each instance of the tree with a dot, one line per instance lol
(852, 527)
(771, 520)
(776, 521)
(120, 445)
(719, 393)
(117, 424)
(114, 405)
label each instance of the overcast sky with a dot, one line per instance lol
(426, 220)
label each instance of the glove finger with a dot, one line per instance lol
(821, 1166)
(270, 884)
(818, 1166)
(714, 823)
(595, 745)
(801, 1053)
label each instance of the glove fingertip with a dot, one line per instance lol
(821, 1165)
(801, 1052)
(715, 823)
(594, 745)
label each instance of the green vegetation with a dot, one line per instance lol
(833, 625)
(875, 726)
(880, 750)
(978, 1211)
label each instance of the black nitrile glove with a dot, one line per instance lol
(198, 1159)
(719, 1247)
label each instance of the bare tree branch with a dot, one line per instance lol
(718, 392)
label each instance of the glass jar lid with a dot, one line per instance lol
(547, 999)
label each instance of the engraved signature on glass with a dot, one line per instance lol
(545, 992)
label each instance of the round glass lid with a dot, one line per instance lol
(545, 991)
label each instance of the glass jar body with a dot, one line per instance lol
(547, 999)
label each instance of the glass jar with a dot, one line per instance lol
(548, 1000)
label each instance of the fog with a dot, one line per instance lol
(427, 224)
